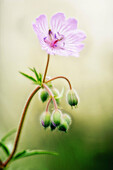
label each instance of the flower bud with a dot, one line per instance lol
(72, 98)
(56, 117)
(63, 126)
(45, 119)
(43, 95)
(67, 118)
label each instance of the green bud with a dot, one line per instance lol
(45, 119)
(56, 117)
(63, 126)
(67, 118)
(44, 95)
(72, 98)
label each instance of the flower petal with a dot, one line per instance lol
(41, 26)
(58, 51)
(56, 22)
(72, 43)
(75, 37)
(70, 25)
(41, 29)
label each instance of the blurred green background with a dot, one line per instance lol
(88, 145)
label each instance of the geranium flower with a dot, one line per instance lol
(62, 38)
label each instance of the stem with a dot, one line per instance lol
(48, 105)
(21, 125)
(62, 78)
(48, 57)
(51, 94)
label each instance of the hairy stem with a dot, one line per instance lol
(48, 57)
(54, 78)
(20, 126)
(51, 94)
(48, 104)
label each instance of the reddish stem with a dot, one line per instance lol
(48, 57)
(20, 126)
(54, 78)
(51, 94)
(48, 104)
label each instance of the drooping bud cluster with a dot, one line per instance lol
(56, 120)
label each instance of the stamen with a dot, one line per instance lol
(60, 36)
(55, 36)
(49, 32)
(45, 38)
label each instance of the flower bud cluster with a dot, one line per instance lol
(56, 120)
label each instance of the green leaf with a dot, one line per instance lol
(27, 76)
(34, 71)
(38, 79)
(8, 135)
(38, 76)
(31, 69)
(5, 148)
(26, 153)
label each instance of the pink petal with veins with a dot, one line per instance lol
(41, 29)
(69, 26)
(56, 22)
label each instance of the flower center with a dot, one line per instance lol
(53, 38)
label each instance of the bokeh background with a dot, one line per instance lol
(88, 145)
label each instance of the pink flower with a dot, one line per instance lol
(63, 37)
